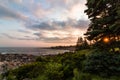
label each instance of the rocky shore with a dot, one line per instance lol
(11, 61)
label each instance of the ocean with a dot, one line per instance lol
(30, 50)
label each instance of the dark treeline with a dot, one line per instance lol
(64, 47)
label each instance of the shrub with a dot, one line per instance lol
(41, 77)
(103, 63)
(54, 71)
(81, 76)
(29, 71)
(71, 61)
(10, 77)
(42, 59)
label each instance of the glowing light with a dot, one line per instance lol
(106, 40)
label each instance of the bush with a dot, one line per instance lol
(103, 63)
(54, 71)
(41, 77)
(58, 67)
(71, 61)
(43, 59)
(81, 76)
(29, 71)
(10, 77)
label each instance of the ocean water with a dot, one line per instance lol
(30, 50)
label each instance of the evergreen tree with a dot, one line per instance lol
(81, 44)
(105, 20)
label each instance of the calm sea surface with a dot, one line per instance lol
(33, 51)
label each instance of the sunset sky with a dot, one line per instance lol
(41, 23)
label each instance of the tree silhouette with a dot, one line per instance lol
(81, 44)
(105, 21)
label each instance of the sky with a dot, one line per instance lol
(41, 23)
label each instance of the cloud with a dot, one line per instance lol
(69, 32)
(42, 25)
(82, 24)
(49, 21)
(41, 37)
(45, 10)
(68, 8)
(52, 31)
(17, 1)
(55, 37)
(5, 12)
(20, 38)
(57, 25)
(23, 31)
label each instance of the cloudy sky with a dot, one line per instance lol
(41, 23)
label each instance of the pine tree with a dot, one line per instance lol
(81, 44)
(105, 20)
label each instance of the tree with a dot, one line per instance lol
(81, 44)
(105, 20)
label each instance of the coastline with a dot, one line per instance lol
(12, 61)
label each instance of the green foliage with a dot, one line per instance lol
(105, 20)
(71, 61)
(57, 67)
(81, 65)
(81, 76)
(54, 71)
(29, 71)
(76, 74)
(41, 77)
(103, 63)
(10, 77)
(41, 59)
(85, 76)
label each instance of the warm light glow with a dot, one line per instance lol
(106, 40)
